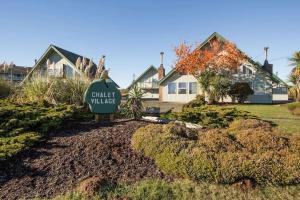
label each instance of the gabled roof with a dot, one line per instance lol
(72, 57)
(68, 55)
(167, 76)
(142, 75)
(221, 38)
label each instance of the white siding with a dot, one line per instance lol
(182, 98)
(280, 97)
(57, 63)
(149, 83)
(151, 95)
(149, 80)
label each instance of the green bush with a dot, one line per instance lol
(223, 155)
(55, 90)
(240, 91)
(6, 88)
(294, 108)
(155, 189)
(21, 125)
(209, 115)
(199, 101)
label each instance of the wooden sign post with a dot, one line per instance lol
(103, 98)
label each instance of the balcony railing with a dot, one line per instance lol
(148, 85)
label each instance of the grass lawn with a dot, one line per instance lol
(278, 114)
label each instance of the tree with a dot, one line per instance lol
(294, 78)
(216, 55)
(240, 91)
(212, 64)
(221, 85)
(214, 85)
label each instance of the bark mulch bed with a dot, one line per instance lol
(58, 164)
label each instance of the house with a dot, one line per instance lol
(13, 73)
(60, 63)
(148, 81)
(182, 88)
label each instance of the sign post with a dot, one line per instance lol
(103, 98)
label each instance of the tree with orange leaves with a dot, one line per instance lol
(215, 55)
(212, 63)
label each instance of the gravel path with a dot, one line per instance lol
(67, 157)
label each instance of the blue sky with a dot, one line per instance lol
(132, 33)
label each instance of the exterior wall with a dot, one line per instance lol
(149, 83)
(280, 93)
(149, 80)
(151, 94)
(12, 77)
(60, 67)
(182, 98)
(265, 90)
(261, 85)
(280, 97)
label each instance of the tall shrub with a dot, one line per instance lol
(56, 90)
(240, 91)
(5, 88)
(134, 102)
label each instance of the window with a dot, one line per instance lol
(284, 89)
(246, 70)
(192, 87)
(182, 88)
(172, 88)
(259, 88)
(67, 71)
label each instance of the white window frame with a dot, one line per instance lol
(190, 88)
(175, 88)
(186, 88)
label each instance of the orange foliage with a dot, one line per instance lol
(215, 55)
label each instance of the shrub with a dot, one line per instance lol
(134, 106)
(156, 189)
(55, 90)
(215, 85)
(6, 88)
(246, 124)
(209, 115)
(199, 101)
(240, 91)
(294, 108)
(222, 156)
(21, 125)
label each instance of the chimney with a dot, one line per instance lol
(161, 69)
(267, 67)
(35, 60)
(266, 52)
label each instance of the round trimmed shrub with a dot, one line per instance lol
(251, 150)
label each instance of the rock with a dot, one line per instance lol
(194, 126)
(91, 186)
(150, 118)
